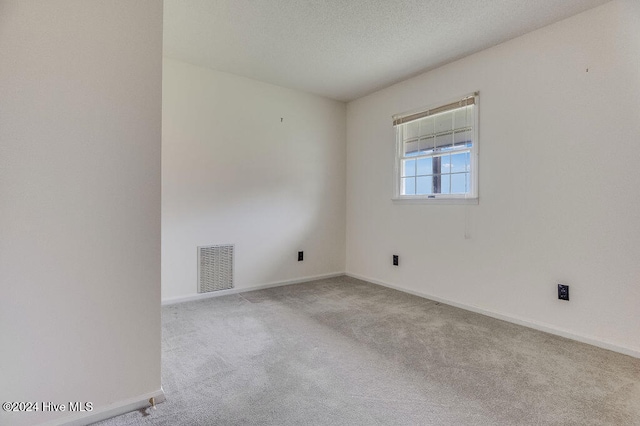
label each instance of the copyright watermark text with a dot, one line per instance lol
(23, 407)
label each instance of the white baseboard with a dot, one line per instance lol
(108, 411)
(510, 318)
(219, 293)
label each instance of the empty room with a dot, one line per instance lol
(277, 212)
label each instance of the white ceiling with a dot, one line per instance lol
(345, 49)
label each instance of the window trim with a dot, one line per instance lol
(400, 119)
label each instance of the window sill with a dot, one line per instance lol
(440, 200)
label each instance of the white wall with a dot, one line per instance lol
(559, 179)
(233, 172)
(80, 123)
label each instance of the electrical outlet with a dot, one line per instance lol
(395, 260)
(563, 292)
(300, 256)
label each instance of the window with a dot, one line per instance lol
(437, 152)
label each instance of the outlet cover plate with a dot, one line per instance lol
(563, 292)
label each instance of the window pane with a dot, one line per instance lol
(464, 117)
(460, 162)
(443, 122)
(424, 185)
(411, 149)
(459, 183)
(444, 141)
(425, 166)
(426, 126)
(411, 130)
(461, 137)
(426, 144)
(408, 186)
(445, 184)
(408, 167)
(445, 164)
(436, 165)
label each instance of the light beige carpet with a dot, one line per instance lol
(345, 352)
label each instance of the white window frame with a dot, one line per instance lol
(399, 120)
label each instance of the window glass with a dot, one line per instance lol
(425, 166)
(409, 185)
(409, 168)
(437, 151)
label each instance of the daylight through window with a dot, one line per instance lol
(436, 151)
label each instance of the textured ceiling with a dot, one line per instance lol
(345, 49)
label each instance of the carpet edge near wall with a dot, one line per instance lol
(547, 328)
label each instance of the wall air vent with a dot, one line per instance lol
(215, 268)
